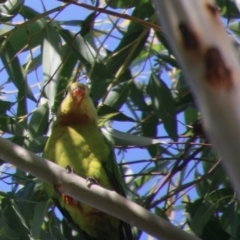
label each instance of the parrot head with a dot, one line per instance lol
(77, 106)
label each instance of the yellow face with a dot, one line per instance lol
(78, 92)
(78, 102)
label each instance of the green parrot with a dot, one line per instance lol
(77, 142)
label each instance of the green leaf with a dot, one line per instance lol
(39, 214)
(29, 196)
(131, 44)
(118, 95)
(85, 53)
(228, 9)
(38, 123)
(30, 36)
(201, 217)
(162, 38)
(222, 195)
(88, 56)
(6, 232)
(233, 219)
(76, 23)
(14, 69)
(202, 185)
(5, 106)
(159, 212)
(191, 115)
(125, 139)
(137, 96)
(123, 3)
(10, 9)
(32, 64)
(9, 125)
(167, 58)
(65, 75)
(54, 228)
(14, 219)
(51, 63)
(106, 113)
(163, 104)
(87, 29)
(149, 129)
(235, 27)
(201, 212)
(37, 144)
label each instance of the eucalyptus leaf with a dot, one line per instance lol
(10, 9)
(51, 62)
(122, 139)
(163, 104)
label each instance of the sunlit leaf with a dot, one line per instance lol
(9, 9)
(126, 140)
(106, 113)
(51, 62)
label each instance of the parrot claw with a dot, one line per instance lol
(58, 189)
(69, 169)
(90, 181)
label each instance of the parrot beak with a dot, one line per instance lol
(78, 94)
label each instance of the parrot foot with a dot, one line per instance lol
(90, 181)
(58, 189)
(69, 169)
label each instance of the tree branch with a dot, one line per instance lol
(95, 196)
(115, 14)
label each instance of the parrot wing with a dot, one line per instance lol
(116, 180)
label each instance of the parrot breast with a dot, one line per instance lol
(77, 143)
(83, 148)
